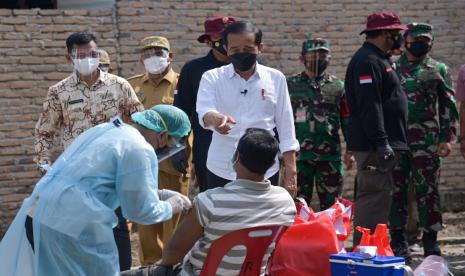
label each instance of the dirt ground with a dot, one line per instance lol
(452, 241)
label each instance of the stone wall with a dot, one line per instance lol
(32, 45)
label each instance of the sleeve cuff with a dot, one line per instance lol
(169, 210)
(198, 208)
(382, 142)
(289, 145)
(202, 114)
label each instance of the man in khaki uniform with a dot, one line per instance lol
(157, 86)
(104, 61)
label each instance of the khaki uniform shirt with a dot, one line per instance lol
(71, 107)
(150, 95)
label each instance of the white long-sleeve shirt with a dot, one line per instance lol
(260, 102)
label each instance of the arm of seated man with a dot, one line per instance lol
(187, 233)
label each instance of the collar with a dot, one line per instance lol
(211, 58)
(230, 72)
(403, 60)
(101, 78)
(170, 76)
(321, 79)
(375, 49)
(252, 185)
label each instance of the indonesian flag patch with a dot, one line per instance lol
(366, 79)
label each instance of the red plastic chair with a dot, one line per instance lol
(255, 239)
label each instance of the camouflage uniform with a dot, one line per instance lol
(430, 94)
(320, 109)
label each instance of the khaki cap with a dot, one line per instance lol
(155, 41)
(104, 58)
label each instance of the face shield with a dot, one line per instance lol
(172, 147)
(316, 62)
(85, 61)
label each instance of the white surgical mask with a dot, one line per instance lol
(156, 64)
(86, 65)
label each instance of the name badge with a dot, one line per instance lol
(76, 101)
(301, 115)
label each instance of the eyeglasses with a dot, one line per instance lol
(148, 53)
(395, 34)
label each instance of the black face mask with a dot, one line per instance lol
(317, 67)
(418, 48)
(243, 61)
(219, 46)
(398, 39)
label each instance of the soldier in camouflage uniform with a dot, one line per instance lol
(430, 95)
(320, 109)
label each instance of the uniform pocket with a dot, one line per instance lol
(167, 100)
(319, 123)
(75, 110)
(373, 181)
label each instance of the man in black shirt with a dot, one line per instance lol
(378, 116)
(188, 85)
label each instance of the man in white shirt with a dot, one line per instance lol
(242, 95)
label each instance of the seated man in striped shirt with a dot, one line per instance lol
(249, 201)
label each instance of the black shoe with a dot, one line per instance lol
(430, 243)
(399, 245)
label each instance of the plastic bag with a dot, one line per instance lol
(341, 216)
(379, 239)
(433, 266)
(305, 247)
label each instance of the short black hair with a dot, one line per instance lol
(257, 150)
(373, 34)
(240, 27)
(80, 38)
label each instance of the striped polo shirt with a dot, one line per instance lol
(239, 204)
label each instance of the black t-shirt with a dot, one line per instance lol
(186, 98)
(377, 104)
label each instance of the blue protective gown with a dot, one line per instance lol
(73, 205)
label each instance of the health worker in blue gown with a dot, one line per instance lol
(65, 226)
